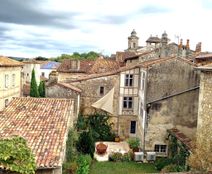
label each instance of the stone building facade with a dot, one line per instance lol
(10, 80)
(163, 95)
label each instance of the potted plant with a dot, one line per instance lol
(101, 148)
(134, 144)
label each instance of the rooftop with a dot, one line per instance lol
(153, 39)
(7, 62)
(100, 65)
(181, 137)
(43, 122)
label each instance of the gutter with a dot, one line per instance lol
(145, 109)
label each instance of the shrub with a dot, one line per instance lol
(162, 162)
(134, 143)
(117, 156)
(170, 168)
(71, 151)
(126, 157)
(69, 167)
(81, 123)
(102, 129)
(84, 162)
(85, 143)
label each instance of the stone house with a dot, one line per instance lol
(10, 78)
(44, 123)
(76, 69)
(157, 95)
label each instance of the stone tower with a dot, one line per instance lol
(164, 42)
(164, 39)
(133, 41)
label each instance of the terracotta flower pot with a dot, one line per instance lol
(101, 148)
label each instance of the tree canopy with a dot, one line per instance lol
(41, 89)
(77, 56)
(33, 86)
(16, 156)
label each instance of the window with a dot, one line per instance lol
(127, 102)
(133, 127)
(134, 45)
(160, 148)
(102, 90)
(6, 102)
(13, 80)
(128, 80)
(43, 74)
(6, 80)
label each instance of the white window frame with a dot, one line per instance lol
(128, 81)
(160, 148)
(129, 103)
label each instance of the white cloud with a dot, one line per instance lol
(104, 25)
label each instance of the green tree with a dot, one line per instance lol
(33, 86)
(16, 156)
(41, 89)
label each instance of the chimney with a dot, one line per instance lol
(198, 47)
(187, 44)
(181, 43)
(53, 77)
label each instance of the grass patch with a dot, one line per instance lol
(121, 167)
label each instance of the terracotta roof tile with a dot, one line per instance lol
(69, 86)
(7, 62)
(181, 137)
(89, 66)
(102, 65)
(141, 54)
(84, 66)
(43, 122)
(204, 56)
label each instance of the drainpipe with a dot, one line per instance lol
(145, 109)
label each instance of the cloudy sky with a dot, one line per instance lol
(30, 28)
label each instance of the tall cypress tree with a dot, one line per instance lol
(33, 86)
(41, 89)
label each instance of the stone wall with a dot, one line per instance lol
(91, 92)
(205, 104)
(172, 100)
(63, 77)
(179, 111)
(170, 77)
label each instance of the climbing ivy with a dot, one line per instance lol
(178, 153)
(16, 156)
